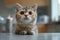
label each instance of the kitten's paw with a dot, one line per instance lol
(16, 32)
(23, 33)
(30, 33)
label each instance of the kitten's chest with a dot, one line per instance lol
(26, 27)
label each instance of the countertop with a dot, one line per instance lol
(40, 36)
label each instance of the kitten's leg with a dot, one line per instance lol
(30, 32)
(33, 31)
(22, 32)
(17, 32)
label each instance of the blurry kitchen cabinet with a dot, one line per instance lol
(25, 2)
(10, 2)
(42, 28)
(29, 2)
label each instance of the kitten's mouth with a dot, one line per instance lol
(26, 20)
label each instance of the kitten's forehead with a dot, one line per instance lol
(26, 8)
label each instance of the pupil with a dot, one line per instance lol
(30, 12)
(21, 12)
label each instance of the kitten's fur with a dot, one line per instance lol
(26, 20)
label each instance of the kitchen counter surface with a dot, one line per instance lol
(40, 36)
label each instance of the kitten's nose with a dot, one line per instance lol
(25, 15)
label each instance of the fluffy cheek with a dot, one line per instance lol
(19, 17)
(22, 17)
(30, 18)
(33, 17)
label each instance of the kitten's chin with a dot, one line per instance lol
(26, 21)
(26, 18)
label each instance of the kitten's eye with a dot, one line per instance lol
(30, 12)
(22, 12)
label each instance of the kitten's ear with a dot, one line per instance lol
(18, 7)
(35, 6)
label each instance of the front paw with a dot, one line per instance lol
(23, 33)
(30, 32)
(16, 32)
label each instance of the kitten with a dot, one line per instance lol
(26, 17)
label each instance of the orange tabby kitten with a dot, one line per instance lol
(26, 17)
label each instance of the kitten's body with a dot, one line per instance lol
(26, 20)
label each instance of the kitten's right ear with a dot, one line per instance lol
(18, 7)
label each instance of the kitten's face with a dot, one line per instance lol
(26, 14)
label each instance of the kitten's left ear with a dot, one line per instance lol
(35, 6)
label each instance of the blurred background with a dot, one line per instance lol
(48, 15)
